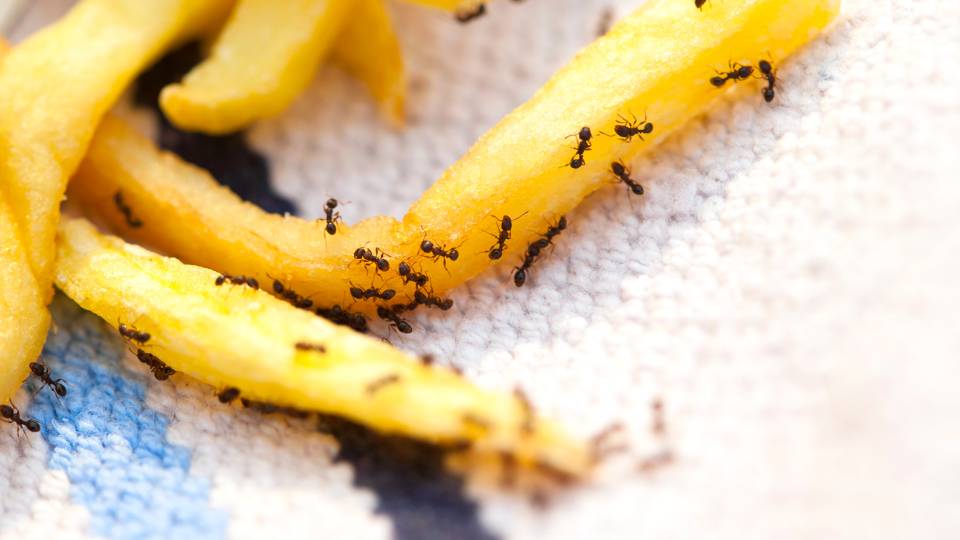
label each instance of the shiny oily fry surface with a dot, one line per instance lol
(657, 61)
(255, 70)
(368, 49)
(24, 319)
(233, 335)
(55, 86)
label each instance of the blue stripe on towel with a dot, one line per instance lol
(114, 449)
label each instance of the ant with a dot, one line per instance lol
(377, 257)
(159, 369)
(332, 218)
(237, 280)
(427, 360)
(628, 129)
(394, 319)
(465, 16)
(767, 72)
(504, 233)
(133, 334)
(534, 249)
(127, 212)
(408, 275)
(371, 293)
(291, 296)
(228, 394)
(311, 347)
(439, 252)
(42, 372)
(699, 3)
(583, 136)
(737, 73)
(378, 384)
(11, 415)
(422, 299)
(623, 174)
(338, 315)
(528, 410)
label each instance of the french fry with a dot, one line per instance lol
(24, 319)
(657, 61)
(233, 335)
(264, 58)
(368, 49)
(55, 86)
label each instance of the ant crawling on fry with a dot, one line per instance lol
(737, 72)
(628, 129)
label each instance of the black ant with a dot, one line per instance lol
(394, 319)
(127, 212)
(159, 369)
(228, 394)
(465, 16)
(310, 347)
(699, 3)
(237, 280)
(422, 299)
(427, 360)
(332, 218)
(737, 73)
(372, 293)
(408, 275)
(291, 296)
(583, 144)
(623, 174)
(768, 73)
(528, 411)
(504, 233)
(133, 334)
(338, 315)
(376, 257)
(534, 249)
(439, 252)
(42, 372)
(378, 384)
(628, 129)
(11, 415)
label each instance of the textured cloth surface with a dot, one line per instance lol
(786, 286)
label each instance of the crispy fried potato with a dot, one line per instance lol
(57, 85)
(368, 49)
(232, 335)
(265, 56)
(657, 61)
(24, 319)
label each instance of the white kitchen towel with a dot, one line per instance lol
(787, 287)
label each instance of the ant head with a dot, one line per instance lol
(403, 268)
(446, 304)
(744, 71)
(37, 368)
(765, 67)
(506, 223)
(331, 203)
(359, 252)
(388, 294)
(618, 168)
(383, 265)
(562, 224)
(453, 254)
(7, 411)
(718, 81)
(404, 327)
(383, 312)
(426, 246)
(585, 134)
(32, 425)
(648, 127)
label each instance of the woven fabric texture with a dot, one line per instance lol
(787, 287)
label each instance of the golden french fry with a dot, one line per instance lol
(658, 61)
(265, 56)
(368, 49)
(24, 319)
(233, 335)
(55, 86)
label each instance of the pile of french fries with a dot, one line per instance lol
(58, 137)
